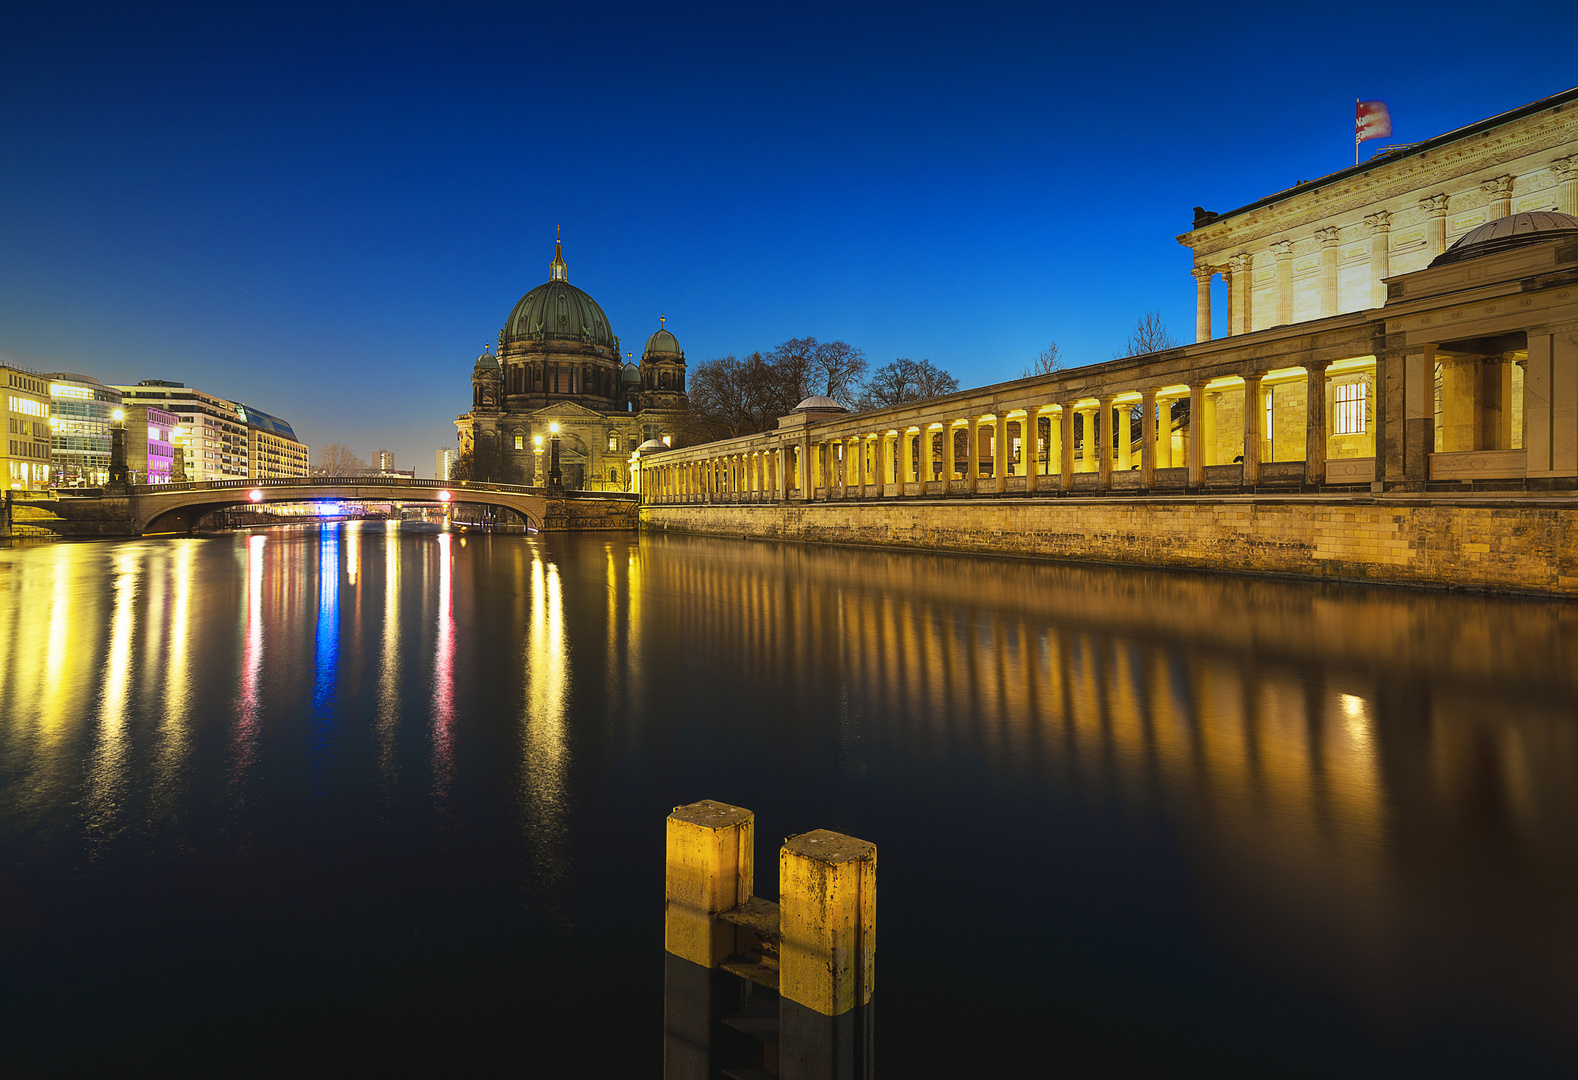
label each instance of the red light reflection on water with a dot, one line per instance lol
(444, 671)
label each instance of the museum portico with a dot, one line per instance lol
(1327, 246)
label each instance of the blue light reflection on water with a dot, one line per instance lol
(327, 647)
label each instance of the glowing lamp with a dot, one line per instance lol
(538, 440)
(443, 496)
(119, 415)
(255, 495)
(554, 427)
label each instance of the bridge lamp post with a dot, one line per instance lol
(555, 478)
(255, 495)
(536, 476)
(444, 498)
(118, 482)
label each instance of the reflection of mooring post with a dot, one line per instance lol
(815, 951)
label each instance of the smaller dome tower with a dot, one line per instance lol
(487, 384)
(663, 371)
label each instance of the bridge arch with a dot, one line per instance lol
(166, 508)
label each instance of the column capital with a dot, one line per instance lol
(1328, 237)
(1240, 263)
(1203, 274)
(1255, 375)
(1282, 249)
(1316, 365)
(1498, 188)
(1148, 396)
(1435, 205)
(1565, 168)
(1106, 400)
(1379, 222)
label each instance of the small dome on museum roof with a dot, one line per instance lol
(649, 445)
(1505, 234)
(486, 360)
(629, 374)
(818, 403)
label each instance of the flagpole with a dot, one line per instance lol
(1356, 131)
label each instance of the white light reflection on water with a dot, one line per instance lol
(388, 717)
(327, 661)
(175, 700)
(106, 792)
(547, 665)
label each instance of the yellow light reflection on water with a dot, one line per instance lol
(106, 775)
(388, 717)
(547, 665)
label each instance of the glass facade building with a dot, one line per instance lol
(83, 409)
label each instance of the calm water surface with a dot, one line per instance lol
(311, 801)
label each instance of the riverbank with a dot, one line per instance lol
(1503, 544)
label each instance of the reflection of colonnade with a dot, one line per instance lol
(1329, 786)
(1469, 373)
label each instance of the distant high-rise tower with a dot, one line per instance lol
(385, 459)
(443, 462)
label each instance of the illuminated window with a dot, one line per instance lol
(1349, 413)
(613, 442)
(520, 441)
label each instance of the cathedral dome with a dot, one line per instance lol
(487, 361)
(629, 374)
(558, 310)
(662, 343)
(1504, 234)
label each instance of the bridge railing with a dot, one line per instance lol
(334, 481)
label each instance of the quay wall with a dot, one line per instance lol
(1509, 546)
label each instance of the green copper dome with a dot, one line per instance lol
(556, 309)
(662, 343)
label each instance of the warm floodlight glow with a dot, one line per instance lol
(554, 427)
(443, 496)
(119, 414)
(538, 440)
(255, 495)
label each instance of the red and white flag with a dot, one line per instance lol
(1372, 121)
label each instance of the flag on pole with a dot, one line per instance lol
(1371, 121)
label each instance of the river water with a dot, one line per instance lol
(351, 798)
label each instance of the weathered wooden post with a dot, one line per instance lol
(827, 955)
(711, 855)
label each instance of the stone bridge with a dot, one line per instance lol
(178, 507)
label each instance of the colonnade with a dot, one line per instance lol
(1159, 438)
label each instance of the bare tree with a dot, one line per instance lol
(1050, 359)
(1149, 336)
(839, 367)
(903, 381)
(336, 459)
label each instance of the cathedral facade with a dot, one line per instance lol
(559, 371)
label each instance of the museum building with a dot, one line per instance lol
(559, 372)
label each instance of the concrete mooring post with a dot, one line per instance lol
(814, 953)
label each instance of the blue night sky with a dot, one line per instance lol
(326, 212)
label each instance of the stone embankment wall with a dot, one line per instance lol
(93, 517)
(1502, 547)
(590, 514)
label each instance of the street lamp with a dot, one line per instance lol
(555, 478)
(118, 484)
(536, 476)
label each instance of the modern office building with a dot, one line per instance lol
(383, 460)
(443, 462)
(24, 464)
(213, 435)
(272, 447)
(83, 410)
(150, 443)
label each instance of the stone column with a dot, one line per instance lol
(1499, 192)
(1254, 427)
(1202, 302)
(1196, 422)
(1315, 422)
(1462, 404)
(1000, 451)
(1103, 441)
(1283, 250)
(843, 469)
(1067, 456)
(884, 462)
(1030, 446)
(1241, 269)
(972, 447)
(1566, 172)
(1329, 254)
(1125, 437)
(1380, 238)
(804, 473)
(1435, 211)
(1148, 439)
(948, 455)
